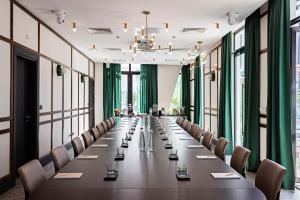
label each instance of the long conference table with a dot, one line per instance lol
(147, 175)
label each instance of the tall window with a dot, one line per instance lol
(131, 86)
(239, 86)
(176, 99)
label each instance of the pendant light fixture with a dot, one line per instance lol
(217, 27)
(94, 48)
(74, 27)
(125, 27)
(167, 27)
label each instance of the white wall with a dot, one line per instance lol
(98, 92)
(53, 50)
(167, 76)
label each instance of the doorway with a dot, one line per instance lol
(26, 82)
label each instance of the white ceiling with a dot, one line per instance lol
(113, 13)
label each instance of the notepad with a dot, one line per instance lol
(225, 175)
(99, 145)
(180, 132)
(205, 157)
(195, 146)
(186, 138)
(174, 126)
(68, 175)
(87, 157)
(107, 138)
(176, 129)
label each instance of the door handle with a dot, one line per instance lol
(27, 118)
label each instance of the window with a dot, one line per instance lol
(131, 86)
(176, 99)
(239, 85)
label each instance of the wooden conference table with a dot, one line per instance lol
(148, 175)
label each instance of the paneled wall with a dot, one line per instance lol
(211, 89)
(64, 100)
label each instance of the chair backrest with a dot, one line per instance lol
(239, 159)
(221, 147)
(207, 140)
(60, 157)
(181, 119)
(32, 175)
(193, 129)
(112, 120)
(100, 129)
(198, 135)
(105, 127)
(184, 123)
(109, 125)
(87, 138)
(269, 178)
(95, 133)
(177, 119)
(77, 146)
(188, 126)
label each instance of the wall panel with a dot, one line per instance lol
(5, 79)
(57, 134)
(57, 90)
(54, 47)
(45, 85)
(67, 89)
(80, 63)
(5, 18)
(44, 139)
(4, 154)
(25, 29)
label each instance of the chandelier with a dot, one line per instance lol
(143, 41)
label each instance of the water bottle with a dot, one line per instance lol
(142, 140)
(151, 142)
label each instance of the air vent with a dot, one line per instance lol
(171, 60)
(96, 31)
(195, 30)
(112, 49)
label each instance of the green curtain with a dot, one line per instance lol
(111, 89)
(185, 90)
(225, 117)
(279, 138)
(252, 71)
(198, 93)
(149, 88)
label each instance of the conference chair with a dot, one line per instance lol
(207, 140)
(188, 126)
(198, 133)
(113, 121)
(193, 130)
(177, 119)
(77, 146)
(32, 176)
(269, 178)
(105, 127)
(100, 129)
(87, 138)
(239, 159)
(184, 123)
(180, 121)
(109, 124)
(60, 157)
(221, 147)
(96, 133)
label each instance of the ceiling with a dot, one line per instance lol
(113, 13)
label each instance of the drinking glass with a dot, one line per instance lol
(173, 152)
(182, 168)
(120, 151)
(168, 142)
(110, 167)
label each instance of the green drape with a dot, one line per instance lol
(252, 71)
(198, 93)
(225, 116)
(279, 138)
(185, 90)
(149, 88)
(111, 89)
